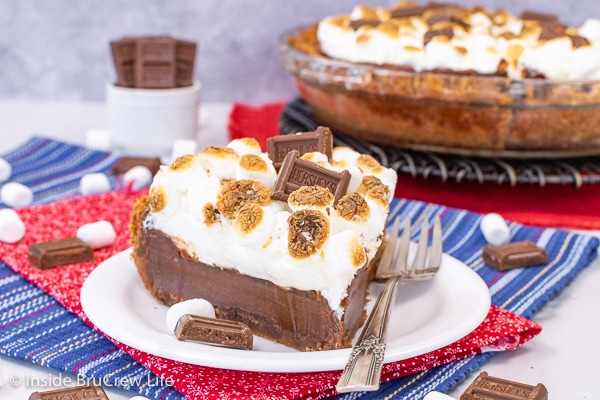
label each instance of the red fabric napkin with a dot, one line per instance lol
(552, 205)
(500, 330)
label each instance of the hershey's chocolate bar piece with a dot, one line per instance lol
(578, 41)
(91, 392)
(321, 140)
(214, 331)
(486, 387)
(447, 31)
(185, 56)
(123, 52)
(155, 63)
(551, 30)
(514, 255)
(536, 16)
(126, 163)
(405, 12)
(58, 252)
(295, 173)
(357, 23)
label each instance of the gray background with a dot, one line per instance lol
(58, 49)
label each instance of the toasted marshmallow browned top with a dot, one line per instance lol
(217, 207)
(456, 38)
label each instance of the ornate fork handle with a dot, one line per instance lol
(363, 369)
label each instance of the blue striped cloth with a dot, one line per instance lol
(36, 328)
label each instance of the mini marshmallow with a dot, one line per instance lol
(219, 161)
(343, 252)
(97, 234)
(256, 167)
(356, 177)
(200, 307)
(315, 156)
(12, 228)
(98, 139)
(182, 147)
(94, 183)
(437, 396)
(245, 145)
(494, 229)
(138, 177)
(259, 233)
(5, 170)
(15, 194)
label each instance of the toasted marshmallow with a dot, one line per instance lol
(343, 252)
(386, 40)
(254, 225)
(363, 12)
(356, 175)
(345, 154)
(441, 52)
(235, 224)
(256, 167)
(177, 175)
(553, 58)
(219, 161)
(201, 193)
(311, 197)
(356, 213)
(315, 156)
(244, 146)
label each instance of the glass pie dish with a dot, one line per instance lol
(445, 112)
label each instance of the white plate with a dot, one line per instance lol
(426, 316)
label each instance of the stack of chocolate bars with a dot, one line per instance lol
(153, 62)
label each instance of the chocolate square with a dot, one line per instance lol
(123, 52)
(320, 140)
(486, 387)
(155, 63)
(295, 173)
(514, 255)
(55, 253)
(91, 392)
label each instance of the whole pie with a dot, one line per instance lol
(445, 77)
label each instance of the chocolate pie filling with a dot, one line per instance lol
(296, 318)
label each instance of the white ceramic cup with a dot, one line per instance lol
(146, 122)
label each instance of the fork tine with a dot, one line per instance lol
(435, 255)
(387, 258)
(401, 256)
(420, 257)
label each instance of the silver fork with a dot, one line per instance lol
(363, 369)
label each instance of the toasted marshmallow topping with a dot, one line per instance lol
(311, 197)
(219, 161)
(256, 167)
(217, 208)
(244, 146)
(458, 38)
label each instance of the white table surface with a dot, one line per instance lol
(563, 357)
